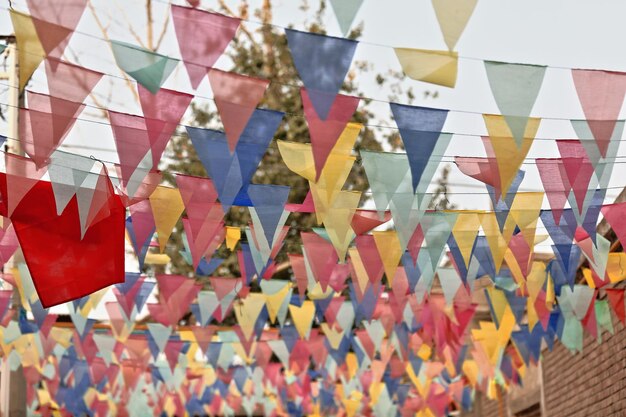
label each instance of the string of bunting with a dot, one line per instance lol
(366, 319)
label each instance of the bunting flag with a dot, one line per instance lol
(601, 95)
(435, 67)
(28, 42)
(85, 262)
(162, 112)
(325, 133)
(322, 63)
(236, 97)
(167, 207)
(148, 68)
(345, 12)
(55, 23)
(204, 225)
(268, 210)
(420, 129)
(515, 88)
(453, 17)
(509, 153)
(202, 38)
(231, 173)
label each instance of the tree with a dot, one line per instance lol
(264, 53)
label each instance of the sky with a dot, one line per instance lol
(558, 33)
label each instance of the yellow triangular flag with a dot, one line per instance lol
(303, 317)
(167, 207)
(390, 251)
(339, 219)
(464, 231)
(453, 16)
(298, 157)
(31, 52)
(435, 67)
(233, 235)
(509, 156)
(275, 301)
(247, 312)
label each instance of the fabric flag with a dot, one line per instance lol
(579, 172)
(338, 221)
(299, 158)
(55, 22)
(69, 86)
(601, 95)
(385, 172)
(345, 11)
(202, 38)
(435, 67)
(236, 96)
(366, 220)
(325, 133)
(453, 17)
(420, 129)
(143, 225)
(268, 209)
(515, 88)
(204, 225)
(148, 68)
(509, 153)
(133, 149)
(167, 207)
(162, 112)
(28, 43)
(322, 63)
(555, 183)
(82, 264)
(42, 129)
(21, 175)
(390, 251)
(614, 215)
(232, 173)
(67, 174)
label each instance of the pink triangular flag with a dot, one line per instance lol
(555, 183)
(22, 175)
(578, 168)
(132, 143)
(64, 14)
(236, 97)
(366, 220)
(162, 112)
(601, 95)
(322, 257)
(324, 133)
(143, 222)
(202, 38)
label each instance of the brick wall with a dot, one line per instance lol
(588, 384)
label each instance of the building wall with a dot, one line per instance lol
(588, 384)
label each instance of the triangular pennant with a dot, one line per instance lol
(453, 17)
(167, 207)
(390, 251)
(601, 95)
(143, 223)
(162, 112)
(322, 63)
(236, 96)
(202, 38)
(325, 133)
(64, 14)
(231, 173)
(268, 206)
(31, 50)
(515, 88)
(366, 220)
(435, 67)
(148, 68)
(420, 129)
(339, 219)
(67, 174)
(345, 11)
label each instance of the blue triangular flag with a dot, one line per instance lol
(322, 63)
(420, 129)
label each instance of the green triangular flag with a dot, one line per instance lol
(148, 68)
(345, 11)
(515, 88)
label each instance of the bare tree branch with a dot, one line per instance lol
(163, 31)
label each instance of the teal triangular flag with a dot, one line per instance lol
(148, 68)
(345, 11)
(515, 88)
(385, 172)
(160, 334)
